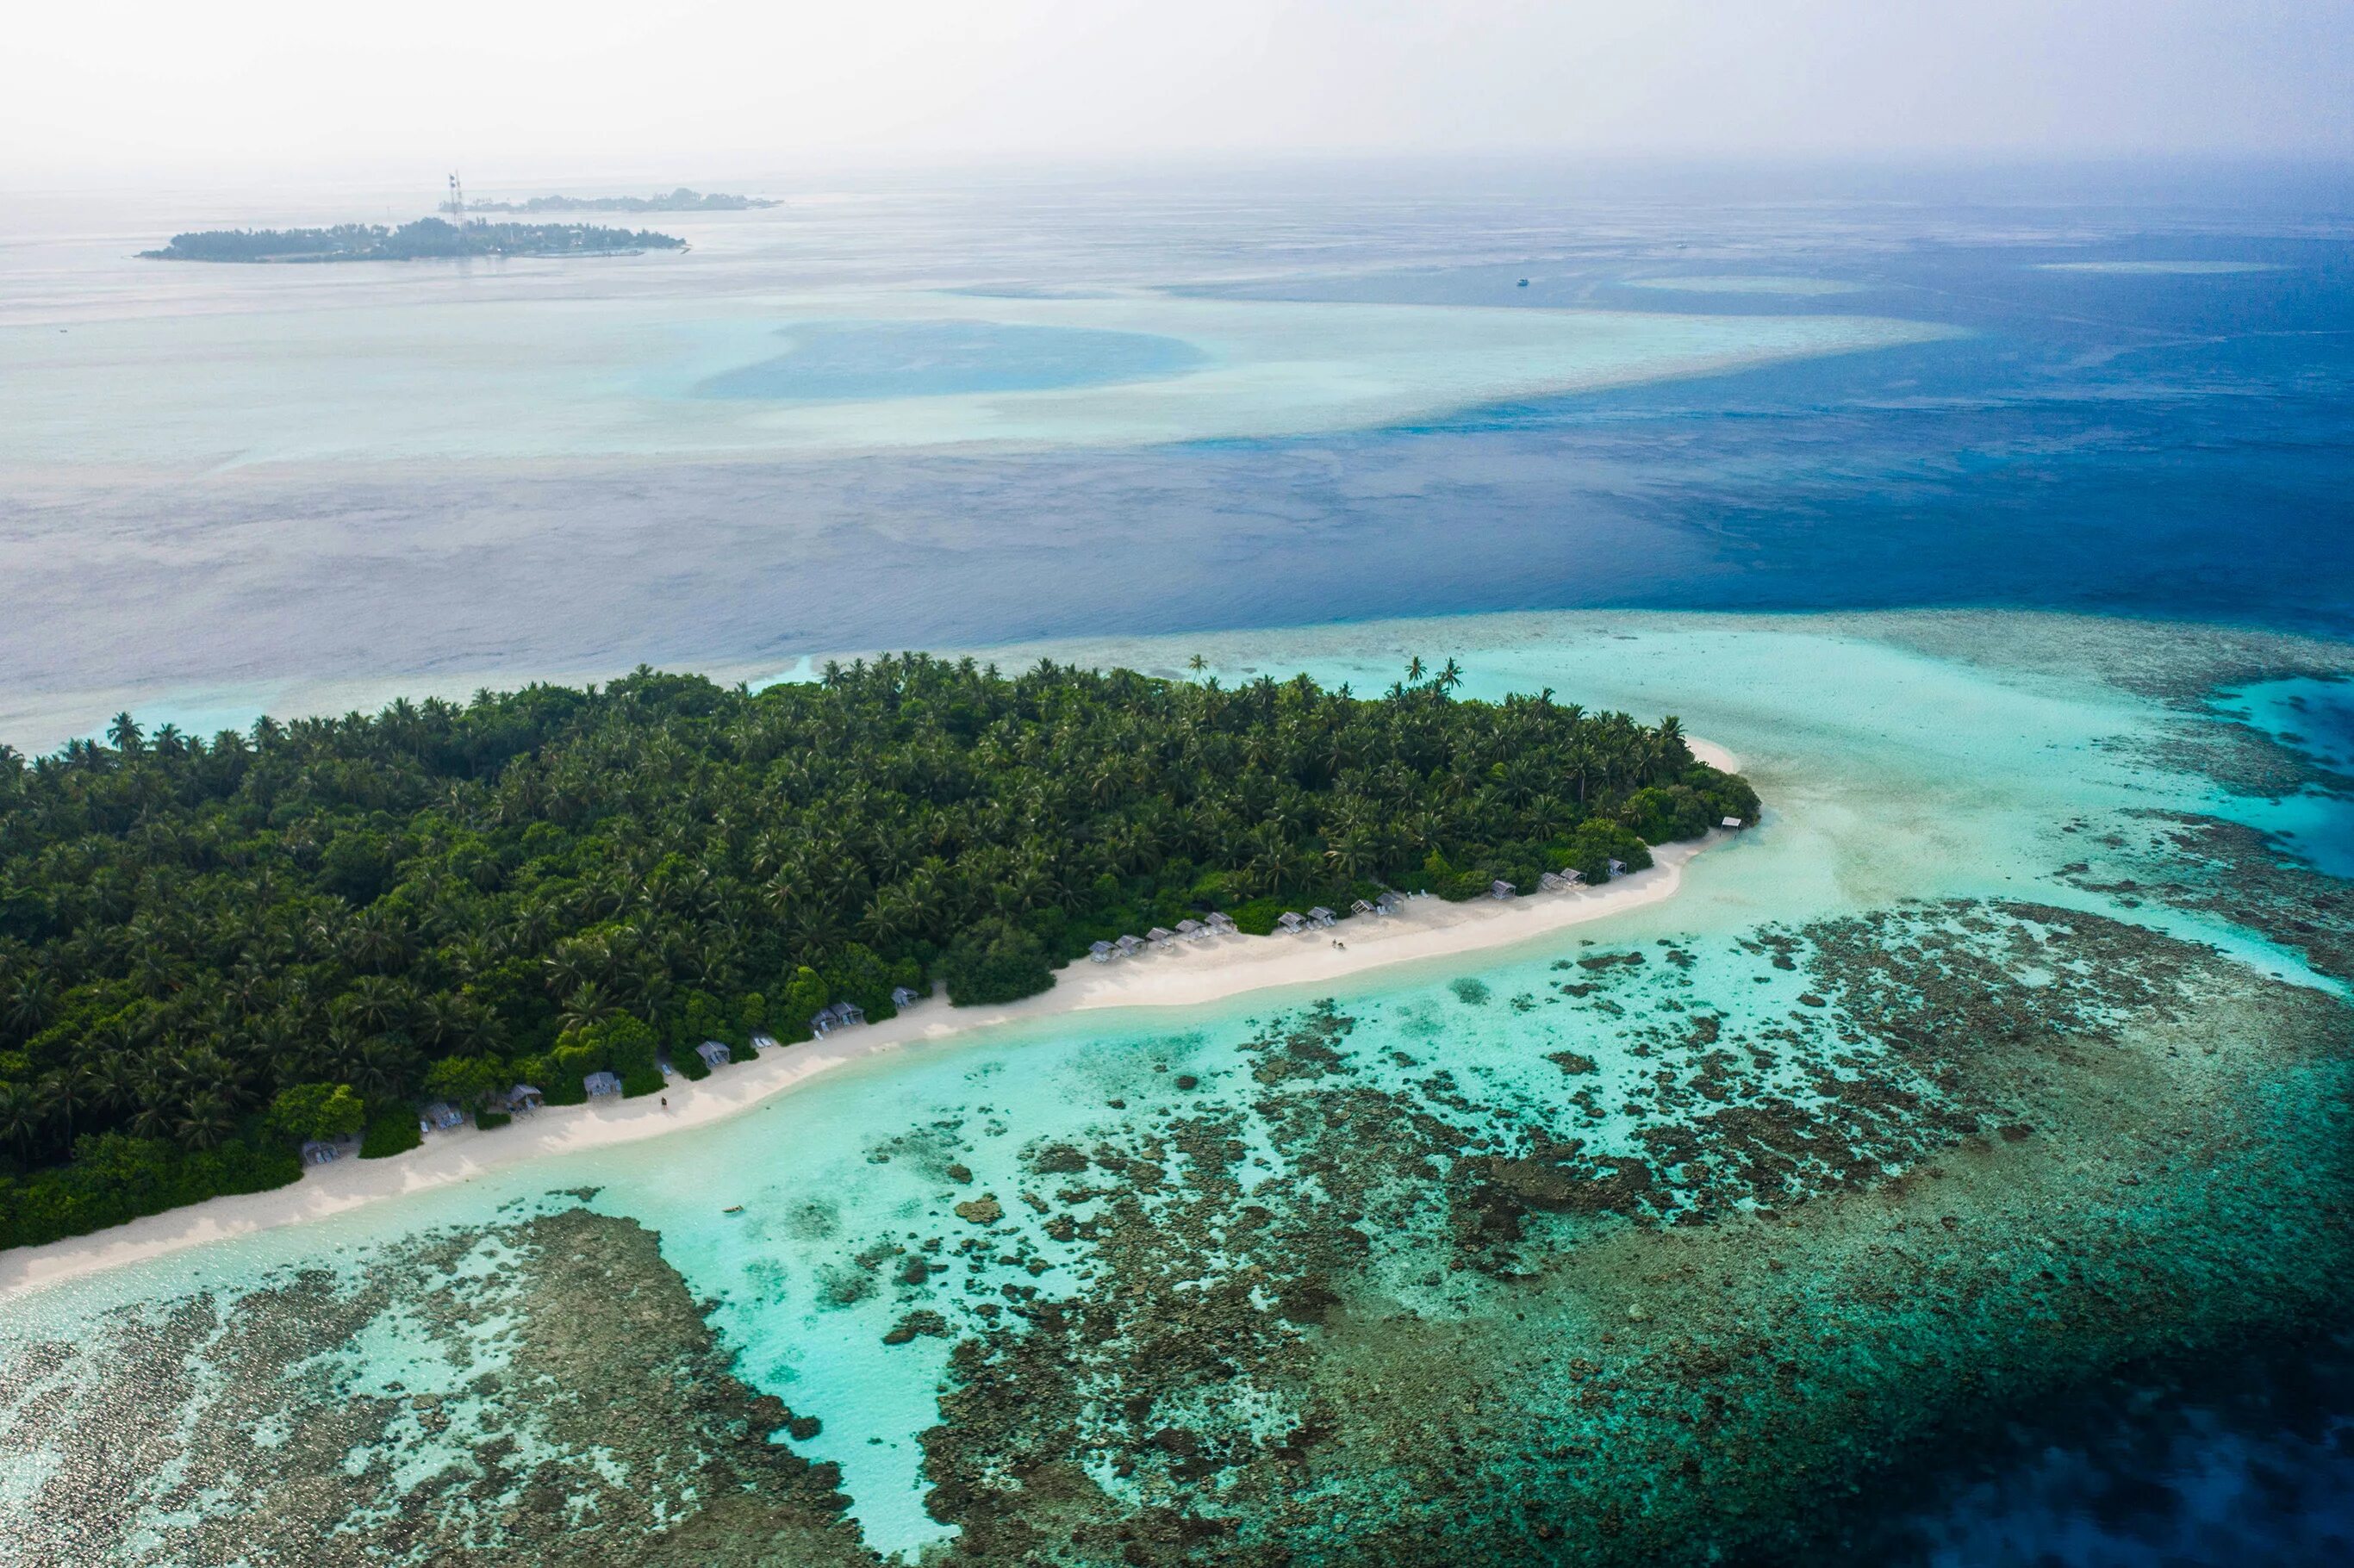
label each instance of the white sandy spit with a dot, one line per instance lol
(1184, 975)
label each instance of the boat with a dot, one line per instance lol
(733, 1209)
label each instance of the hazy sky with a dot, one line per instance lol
(239, 84)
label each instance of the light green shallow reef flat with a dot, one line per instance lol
(489, 378)
(2009, 1052)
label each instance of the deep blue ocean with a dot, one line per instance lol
(2146, 410)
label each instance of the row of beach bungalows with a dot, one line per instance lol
(1200, 930)
(523, 1100)
(1320, 917)
(1559, 881)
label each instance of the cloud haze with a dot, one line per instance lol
(160, 83)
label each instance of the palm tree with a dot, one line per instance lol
(20, 1117)
(25, 1005)
(586, 1004)
(62, 1093)
(206, 1120)
(1414, 670)
(125, 734)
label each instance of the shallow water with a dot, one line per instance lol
(2169, 444)
(2028, 994)
(1893, 774)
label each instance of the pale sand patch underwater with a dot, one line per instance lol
(524, 381)
(1185, 975)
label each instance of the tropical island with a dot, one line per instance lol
(212, 952)
(678, 200)
(428, 239)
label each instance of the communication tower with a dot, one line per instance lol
(455, 204)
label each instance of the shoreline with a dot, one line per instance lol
(1187, 975)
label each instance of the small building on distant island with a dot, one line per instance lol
(715, 1053)
(903, 996)
(678, 200)
(600, 1085)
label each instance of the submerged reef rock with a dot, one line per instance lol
(1803, 1207)
(2018, 1146)
(578, 1411)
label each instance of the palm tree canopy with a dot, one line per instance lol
(187, 930)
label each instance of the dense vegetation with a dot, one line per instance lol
(202, 942)
(678, 200)
(428, 239)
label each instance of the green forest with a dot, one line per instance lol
(212, 950)
(428, 239)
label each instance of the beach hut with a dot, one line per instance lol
(825, 1021)
(600, 1085)
(319, 1151)
(1291, 921)
(843, 1013)
(439, 1116)
(523, 1100)
(1101, 952)
(1500, 890)
(1220, 923)
(1129, 947)
(715, 1053)
(1733, 821)
(1161, 935)
(1319, 916)
(1390, 902)
(1617, 868)
(1192, 930)
(905, 996)
(1362, 906)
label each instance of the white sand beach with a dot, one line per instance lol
(1184, 975)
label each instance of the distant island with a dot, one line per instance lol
(428, 239)
(678, 200)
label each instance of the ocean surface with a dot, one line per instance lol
(1956, 1171)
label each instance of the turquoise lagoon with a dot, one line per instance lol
(829, 360)
(978, 418)
(1903, 758)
